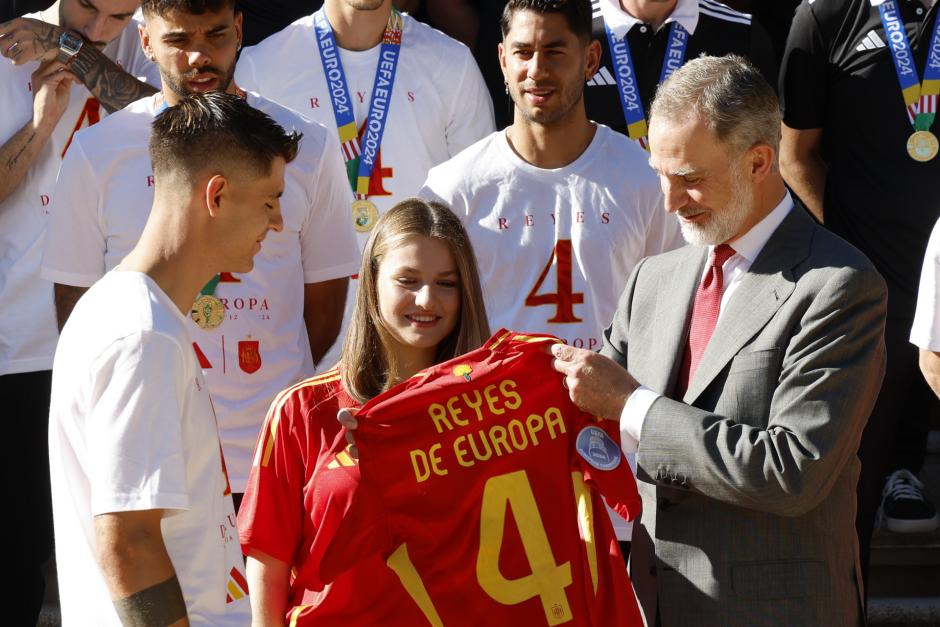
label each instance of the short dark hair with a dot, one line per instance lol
(196, 7)
(576, 12)
(217, 129)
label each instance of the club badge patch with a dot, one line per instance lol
(598, 449)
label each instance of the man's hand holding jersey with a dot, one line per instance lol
(596, 384)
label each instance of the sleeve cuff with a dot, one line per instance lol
(126, 502)
(923, 339)
(335, 272)
(67, 278)
(632, 417)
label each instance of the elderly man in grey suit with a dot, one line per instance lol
(742, 369)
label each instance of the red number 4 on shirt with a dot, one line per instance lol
(564, 298)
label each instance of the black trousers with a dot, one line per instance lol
(896, 434)
(29, 502)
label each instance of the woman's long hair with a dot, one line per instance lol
(367, 359)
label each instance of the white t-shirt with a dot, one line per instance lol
(439, 106)
(131, 428)
(27, 319)
(105, 192)
(555, 247)
(925, 332)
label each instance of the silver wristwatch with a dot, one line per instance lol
(69, 45)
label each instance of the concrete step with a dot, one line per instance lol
(905, 565)
(919, 576)
(908, 564)
(904, 611)
(50, 616)
(904, 580)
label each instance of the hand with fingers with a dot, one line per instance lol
(595, 383)
(52, 84)
(24, 39)
(347, 418)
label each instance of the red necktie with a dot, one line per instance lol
(704, 315)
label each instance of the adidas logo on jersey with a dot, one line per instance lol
(602, 78)
(871, 41)
(343, 460)
(723, 12)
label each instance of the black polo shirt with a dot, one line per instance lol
(11, 9)
(263, 18)
(838, 75)
(720, 30)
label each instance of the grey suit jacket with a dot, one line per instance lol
(748, 482)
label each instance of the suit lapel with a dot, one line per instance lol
(674, 299)
(763, 289)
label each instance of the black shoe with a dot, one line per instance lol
(904, 508)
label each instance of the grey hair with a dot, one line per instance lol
(730, 96)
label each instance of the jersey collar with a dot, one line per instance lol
(619, 21)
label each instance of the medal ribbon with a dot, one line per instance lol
(919, 97)
(209, 288)
(627, 86)
(360, 158)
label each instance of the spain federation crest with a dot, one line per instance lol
(249, 356)
(463, 370)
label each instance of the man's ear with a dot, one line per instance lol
(761, 161)
(145, 40)
(593, 59)
(217, 188)
(238, 29)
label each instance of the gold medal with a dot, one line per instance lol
(208, 312)
(922, 146)
(365, 213)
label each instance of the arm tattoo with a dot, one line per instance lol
(106, 80)
(11, 162)
(17, 156)
(65, 297)
(156, 606)
(46, 39)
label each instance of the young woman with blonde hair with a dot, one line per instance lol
(419, 303)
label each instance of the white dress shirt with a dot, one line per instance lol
(620, 22)
(746, 249)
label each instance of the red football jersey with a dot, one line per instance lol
(285, 512)
(480, 481)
